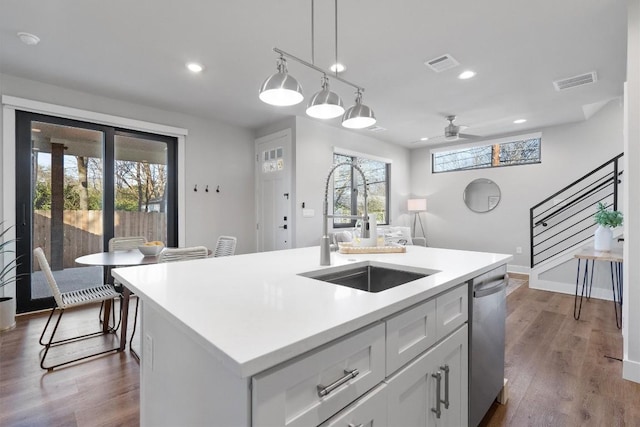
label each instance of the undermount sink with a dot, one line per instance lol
(367, 277)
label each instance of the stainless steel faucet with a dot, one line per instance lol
(325, 243)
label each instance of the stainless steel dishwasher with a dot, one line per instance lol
(486, 341)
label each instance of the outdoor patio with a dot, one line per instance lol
(69, 279)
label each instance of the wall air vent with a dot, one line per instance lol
(442, 63)
(582, 79)
(376, 129)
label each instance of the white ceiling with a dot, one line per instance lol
(137, 50)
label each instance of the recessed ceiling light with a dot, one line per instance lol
(338, 68)
(29, 39)
(519, 121)
(424, 138)
(466, 74)
(194, 67)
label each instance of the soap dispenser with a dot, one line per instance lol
(372, 240)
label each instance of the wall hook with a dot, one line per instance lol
(195, 187)
(218, 189)
(206, 189)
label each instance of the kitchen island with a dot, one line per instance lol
(229, 341)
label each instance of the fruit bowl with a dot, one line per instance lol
(151, 248)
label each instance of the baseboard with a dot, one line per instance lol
(518, 269)
(631, 370)
(570, 289)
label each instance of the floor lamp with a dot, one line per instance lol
(416, 206)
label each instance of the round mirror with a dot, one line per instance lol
(481, 195)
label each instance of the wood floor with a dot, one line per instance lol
(561, 372)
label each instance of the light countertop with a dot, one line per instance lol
(254, 311)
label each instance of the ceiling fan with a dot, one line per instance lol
(452, 131)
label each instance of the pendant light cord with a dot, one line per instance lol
(336, 27)
(313, 53)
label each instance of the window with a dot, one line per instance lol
(509, 153)
(348, 194)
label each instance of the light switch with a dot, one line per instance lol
(308, 213)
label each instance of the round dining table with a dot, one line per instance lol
(117, 259)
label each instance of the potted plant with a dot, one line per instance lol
(8, 265)
(607, 220)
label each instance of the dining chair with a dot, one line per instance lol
(126, 243)
(170, 255)
(122, 244)
(66, 300)
(225, 246)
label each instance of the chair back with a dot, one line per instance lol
(126, 243)
(183, 254)
(225, 246)
(46, 269)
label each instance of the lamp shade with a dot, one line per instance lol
(325, 104)
(281, 89)
(358, 116)
(417, 205)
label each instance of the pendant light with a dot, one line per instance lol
(325, 104)
(358, 116)
(281, 89)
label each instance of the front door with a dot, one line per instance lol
(273, 192)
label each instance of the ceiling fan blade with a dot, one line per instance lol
(468, 136)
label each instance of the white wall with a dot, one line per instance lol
(216, 154)
(568, 152)
(631, 279)
(314, 145)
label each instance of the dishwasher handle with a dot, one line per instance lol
(491, 288)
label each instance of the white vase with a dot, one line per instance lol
(7, 313)
(603, 238)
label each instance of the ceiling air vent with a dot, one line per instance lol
(377, 129)
(442, 63)
(582, 79)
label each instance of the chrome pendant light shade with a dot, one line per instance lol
(358, 116)
(325, 104)
(281, 89)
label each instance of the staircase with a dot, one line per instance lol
(562, 224)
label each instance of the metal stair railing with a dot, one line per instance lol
(565, 219)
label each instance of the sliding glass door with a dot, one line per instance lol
(79, 184)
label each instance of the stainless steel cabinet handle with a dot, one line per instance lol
(436, 410)
(445, 368)
(325, 390)
(353, 425)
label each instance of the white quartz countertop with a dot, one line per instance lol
(255, 311)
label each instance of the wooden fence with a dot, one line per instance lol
(83, 231)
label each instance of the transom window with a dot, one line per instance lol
(348, 194)
(508, 153)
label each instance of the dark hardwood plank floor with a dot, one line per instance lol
(103, 391)
(558, 370)
(563, 372)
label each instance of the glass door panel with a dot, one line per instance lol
(141, 182)
(66, 203)
(77, 185)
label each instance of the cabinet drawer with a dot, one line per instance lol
(290, 394)
(409, 334)
(451, 310)
(369, 410)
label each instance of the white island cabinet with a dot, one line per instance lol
(249, 340)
